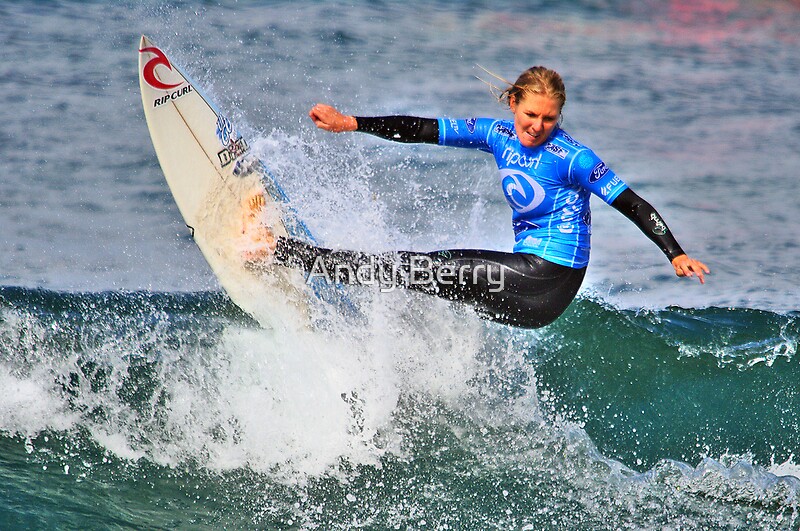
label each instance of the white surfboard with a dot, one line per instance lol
(212, 176)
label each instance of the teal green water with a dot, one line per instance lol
(655, 418)
(678, 383)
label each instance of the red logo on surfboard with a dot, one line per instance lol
(149, 70)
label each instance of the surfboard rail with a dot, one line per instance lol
(211, 172)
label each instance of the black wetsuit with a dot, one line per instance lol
(519, 289)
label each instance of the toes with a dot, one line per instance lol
(257, 202)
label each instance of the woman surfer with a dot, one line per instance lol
(547, 178)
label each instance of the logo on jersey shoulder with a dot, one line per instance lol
(471, 124)
(558, 151)
(522, 192)
(504, 130)
(598, 172)
(149, 70)
(568, 139)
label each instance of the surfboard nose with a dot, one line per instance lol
(144, 42)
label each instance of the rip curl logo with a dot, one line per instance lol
(513, 157)
(174, 95)
(522, 192)
(659, 227)
(471, 124)
(149, 70)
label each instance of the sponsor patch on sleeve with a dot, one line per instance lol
(585, 160)
(598, 172)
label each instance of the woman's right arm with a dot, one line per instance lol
(409, 129)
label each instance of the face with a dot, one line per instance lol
(535, 118)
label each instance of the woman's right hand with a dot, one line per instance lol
(327, 118)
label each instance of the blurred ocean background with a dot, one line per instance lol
(134, 393)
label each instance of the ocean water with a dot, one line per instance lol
(135, 394)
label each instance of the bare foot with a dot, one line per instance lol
(259, 242)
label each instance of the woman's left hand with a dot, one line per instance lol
(689, 267)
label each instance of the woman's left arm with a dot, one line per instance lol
(649, 221)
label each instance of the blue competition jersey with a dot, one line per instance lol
(548, 187)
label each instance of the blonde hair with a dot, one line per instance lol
(537, 80)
